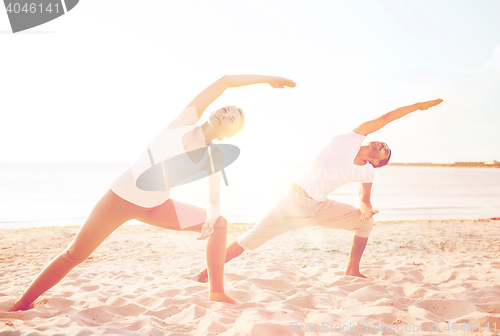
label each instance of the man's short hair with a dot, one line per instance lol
(382, 163)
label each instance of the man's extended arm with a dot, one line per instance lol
(376, 124)
(365, 205)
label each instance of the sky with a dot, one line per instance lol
(99, 83)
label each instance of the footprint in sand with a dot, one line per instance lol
(369, 294)
(436, 274)
(447, 309)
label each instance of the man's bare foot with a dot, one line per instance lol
(19, 305)
(220, 297)
(354, 273)
(200, 277)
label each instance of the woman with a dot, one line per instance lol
(125, 200)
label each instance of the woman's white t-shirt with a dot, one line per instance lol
(168, 144)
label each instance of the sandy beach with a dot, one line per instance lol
(440, 276)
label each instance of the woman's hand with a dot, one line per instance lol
(280, 82)
(207, 229)
(213, 209)
(427, 104)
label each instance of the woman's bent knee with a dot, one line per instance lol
(221, 223)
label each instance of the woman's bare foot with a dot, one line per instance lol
(19, 305)
(220, 297)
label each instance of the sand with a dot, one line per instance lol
(434, 275)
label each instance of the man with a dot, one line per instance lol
(342, 161)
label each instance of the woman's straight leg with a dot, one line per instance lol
(108, 214)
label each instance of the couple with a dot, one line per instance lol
(342, 161)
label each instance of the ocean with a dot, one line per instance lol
(37, 195)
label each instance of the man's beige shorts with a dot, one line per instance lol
(293, 211)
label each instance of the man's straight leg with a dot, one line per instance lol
(290, 212)
(232, 251)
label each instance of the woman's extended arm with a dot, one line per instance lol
(214, 90)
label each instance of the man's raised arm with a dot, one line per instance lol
(376, 124)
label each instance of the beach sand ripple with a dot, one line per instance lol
(421, 274)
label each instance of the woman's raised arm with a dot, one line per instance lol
(214, 90)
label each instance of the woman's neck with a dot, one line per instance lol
(208, 133)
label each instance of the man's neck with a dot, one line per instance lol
(360, 159)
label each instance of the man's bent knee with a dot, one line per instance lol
(364, 229)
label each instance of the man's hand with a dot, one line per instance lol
(430, 103)
(280, 82)
(367, 215)
(207, 229)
